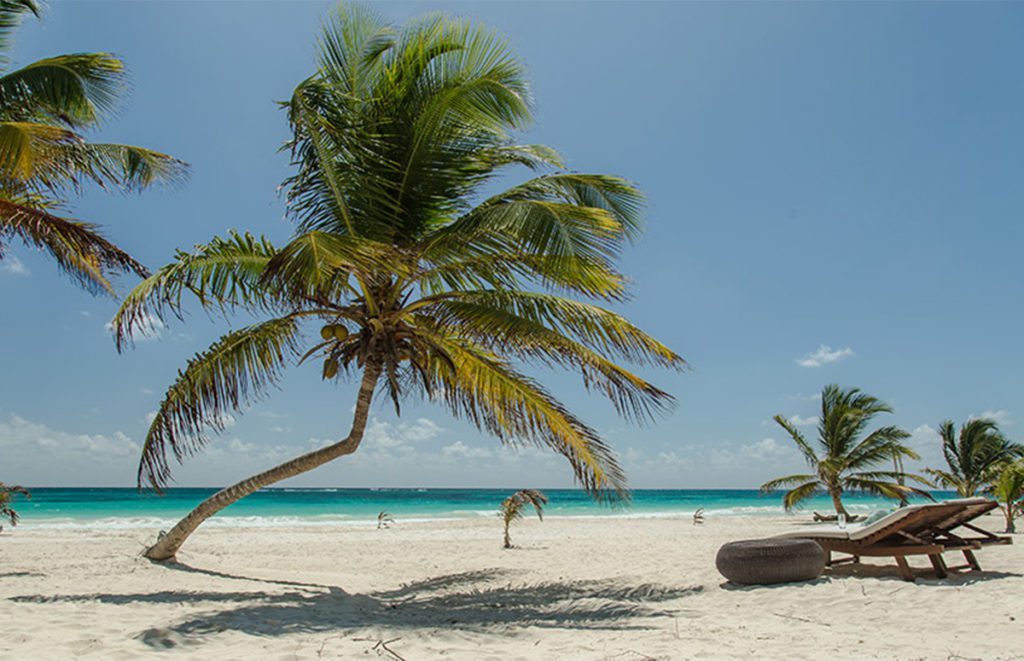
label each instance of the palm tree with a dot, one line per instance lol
(847, 456)
(973, 456)
(44, 107)
(7, 493)
(421, 287)
(1008, 489)
(512, 508)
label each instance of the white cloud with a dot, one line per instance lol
(422, 430)
(674, 460)
(798, 421)
(766, 449)
(13, 266)
(381, 434)
(824, 355)
(458, 449)
(1001, 417)
(36, 454)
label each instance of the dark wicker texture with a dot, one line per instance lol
(765, 561)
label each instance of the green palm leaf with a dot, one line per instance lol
(237, 368)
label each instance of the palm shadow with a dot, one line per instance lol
(468, 601)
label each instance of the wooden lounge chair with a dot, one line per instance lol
(914, 530)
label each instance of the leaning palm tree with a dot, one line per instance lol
(512, 508)
(973, 456)
(1007, 488)
(7, 493)
(846, 457)
(418, 285)
(45, 107)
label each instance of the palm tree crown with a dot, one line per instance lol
(44, 107)
(416, 277)
(512, 508)
(847, 454)
(973, 456)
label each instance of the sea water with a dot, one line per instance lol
(130, 508)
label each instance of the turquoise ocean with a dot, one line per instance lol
(130, 508)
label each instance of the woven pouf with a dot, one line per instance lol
(765, 561)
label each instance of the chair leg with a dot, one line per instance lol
(971, 560)
(905, 571)
(939, 565)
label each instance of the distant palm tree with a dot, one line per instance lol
(848, 455)
(44, 106)
(512, 508)
(1007, 488)
(6, 498)
(419, 286)
(973, 456)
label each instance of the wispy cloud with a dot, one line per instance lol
(13, 266)
(824, 355)
(1000, 416)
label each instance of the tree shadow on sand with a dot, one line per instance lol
(882, 573)
(466, 600)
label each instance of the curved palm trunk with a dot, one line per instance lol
(837, 502)
(508, 540)
(167, 546)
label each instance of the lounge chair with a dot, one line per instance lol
(913, 530)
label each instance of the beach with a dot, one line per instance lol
(628, 588)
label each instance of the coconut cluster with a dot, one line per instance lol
(334, 332)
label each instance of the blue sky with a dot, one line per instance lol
(834, 196)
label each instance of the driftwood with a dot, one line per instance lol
(832, 518)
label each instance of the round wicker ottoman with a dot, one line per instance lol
(764, 561)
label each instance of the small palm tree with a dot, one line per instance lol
(44, 107)
(848, 455)
(1008, 490)
(6, 498)
(419, 283)
(512, 508)
(973, 456)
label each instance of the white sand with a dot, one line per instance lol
(626, 589)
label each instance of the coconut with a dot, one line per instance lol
(327, 332)
(330, 368)
(340, 333)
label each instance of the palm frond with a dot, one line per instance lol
(512, 335)
(78, 248)
(789, 480)
(225, 273)
(11, 13)
(595, 327)
(476, 385)
(805, 448)
(238, 367)
(76, 90)
(797, 495)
